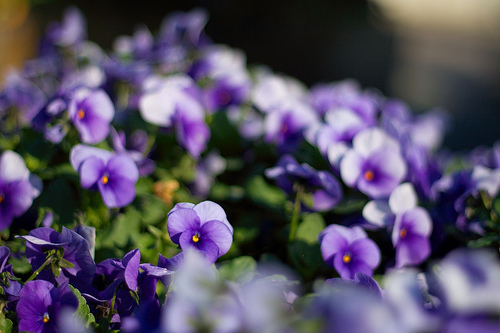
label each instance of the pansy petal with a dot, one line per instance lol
(80, 153)
(181, 220)
(378, 213)
(208, 210)
(365, 250)
(403, 198)
(219, 233)
(12, 167)
(131, 261)
(118, 192)
(123, 166)
(92, 169)
(413, 250)
(209, 248)
(351, 167)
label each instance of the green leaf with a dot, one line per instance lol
(264, 194)
(151, 208)
(61, 198)
(5, 324)
(83, 311)
(125, 226)
(241, 269)
(350, 205)
(66, 264)
(310, 228)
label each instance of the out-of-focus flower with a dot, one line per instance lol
(70, 31)
(175, 101)
(18, 187)
(91, 112)
(203, 226)
(323, 186)
(206, 171)
(41, 304)
(135, 147)
(374, 165)
(114, 175)
(348, 250)
(165, 190)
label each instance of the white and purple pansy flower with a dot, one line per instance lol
(203, 226)
(374, 165)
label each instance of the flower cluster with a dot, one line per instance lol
(167, 186)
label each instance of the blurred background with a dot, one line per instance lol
(443, 54)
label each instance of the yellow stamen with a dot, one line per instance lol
(80, 114)
(1, 198)
(346, 258)
(403, 233)
(196, 238)
(46, 318)
(369, 175)
(105, 180)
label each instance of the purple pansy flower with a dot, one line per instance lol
(114, 175)
(76, 251)
(40, 305)
(411, 225)
(374, 165)
(91, 111)
(18, 187)
(203, 226)
(348, 250)
(324, 188)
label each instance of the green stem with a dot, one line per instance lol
(49, 260)
(295, 215)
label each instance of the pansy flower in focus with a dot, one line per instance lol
(203, 226)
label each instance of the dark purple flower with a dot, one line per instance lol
(41, 241)
(18, 187)
(203, 226)
(374, 165)
(349, 250)
(114, 175)
(91, 111)
(324, 188)
(230, 89)
(40, 305)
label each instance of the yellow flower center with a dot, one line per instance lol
(1, 198)
(196, 238)
(403, 233)
(80, 114)
(346, 258)
(105, 179)
(46, 318)
(369, 175)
